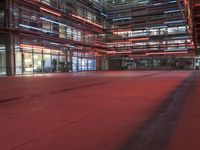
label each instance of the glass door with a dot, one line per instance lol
(55, 63)
(27, 63)
(38, 63)
(18, 62)
(74, 64)
(47, 63)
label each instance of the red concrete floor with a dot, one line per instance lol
(130, 110)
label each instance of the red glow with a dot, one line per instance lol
(138, 39)
(25, 46)
(125, 42)
(88, 21)
(196, 5)
(49, 11)
(30, 46)
(114, 52)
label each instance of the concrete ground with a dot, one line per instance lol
(130, 110)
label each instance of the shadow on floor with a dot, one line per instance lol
(155, 133)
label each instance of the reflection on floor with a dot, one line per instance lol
(140, 110)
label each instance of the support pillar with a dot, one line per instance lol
(9, 43)
(10, 63)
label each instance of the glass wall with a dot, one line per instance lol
(29, 61)
(74, 64)
(2, 55)
(81, 63)
(184, 63)
(47, 24)
(40, 56)
(2, 42)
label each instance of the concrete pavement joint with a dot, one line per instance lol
(58, 129)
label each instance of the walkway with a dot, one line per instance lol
(130, 110)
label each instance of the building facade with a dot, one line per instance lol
(42, 36)
(48, 36)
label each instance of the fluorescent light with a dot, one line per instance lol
(138, 39)
(127, 18)
(30, 27)
(104, 15)
(43, 18)
(125, 42)
(176, 21)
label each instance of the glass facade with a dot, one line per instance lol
(48, 57)
(61, 43)
(69, 35)
(142, 27)
(160, 63)
(2, 42)
(2, 55)
(81, 63)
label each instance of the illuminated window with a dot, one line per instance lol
(47, 25)
(62, 31)
(69, 32)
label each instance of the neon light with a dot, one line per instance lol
(180, 37)
(196, 5)
(172, 1)
(128, 42)
(25, 46)
(157, 4)
(104, 15)
(114, 52)
(33, 47)
(70, 46)
(138, 39)
(171, 11)
(43, 18)
(144, 2)
(178, 50)
(49, 11)
(127, 18)
(88, 21)
(30, 46)
(30, 27)
(176, 21)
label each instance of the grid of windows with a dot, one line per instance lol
(65, 35)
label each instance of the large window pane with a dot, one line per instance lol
(2, 60)
(18, 62)
(47, 63)
(2, 56)
(28, 63)
(38, 63)
(74, 64)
